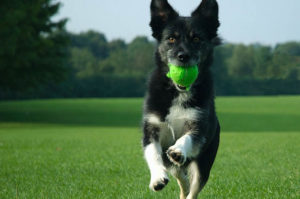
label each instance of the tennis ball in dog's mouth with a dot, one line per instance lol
(183, 75)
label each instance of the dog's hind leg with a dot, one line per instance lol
(195, 180)
(182, 179)
(199, 169)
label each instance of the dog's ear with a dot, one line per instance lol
(161, 14)
(208, 10)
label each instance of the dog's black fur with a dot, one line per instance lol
(183, 41)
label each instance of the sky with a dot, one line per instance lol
(242, 21)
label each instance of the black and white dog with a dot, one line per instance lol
(181, 129)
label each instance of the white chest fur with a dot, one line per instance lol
(173, 126)
(178, 115)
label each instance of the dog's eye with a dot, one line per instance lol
(196, 39)
(172, 40)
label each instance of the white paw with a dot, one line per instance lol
(159, 179)
(176, 155)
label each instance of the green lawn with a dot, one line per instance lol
(91, 149)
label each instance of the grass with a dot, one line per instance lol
(91, 149)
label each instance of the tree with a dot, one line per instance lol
(83, 62)
(281, 66)
(141, 54)
(289, 48)
(134, 59)
(241, 64)
(286, 61)
(220, 64)
(33, 48)
(116, 45)
(92, 40)
(262, 58)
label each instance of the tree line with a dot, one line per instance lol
(40, 59)
(238, 69)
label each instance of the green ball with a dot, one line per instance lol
(183, 76)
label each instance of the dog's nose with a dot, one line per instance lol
(183, 56)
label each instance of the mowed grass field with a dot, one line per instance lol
(91, 148)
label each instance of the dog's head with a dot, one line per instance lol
(184, 41)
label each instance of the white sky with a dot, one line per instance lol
(242, 21)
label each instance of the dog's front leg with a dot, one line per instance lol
(159, 177)
(153, 155)
(187, 146)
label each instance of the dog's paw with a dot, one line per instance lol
(159, 180)
(176, 155)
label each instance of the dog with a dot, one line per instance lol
(180, 127)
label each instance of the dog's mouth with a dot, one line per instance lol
(181, 88)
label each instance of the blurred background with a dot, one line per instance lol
(73, 48)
